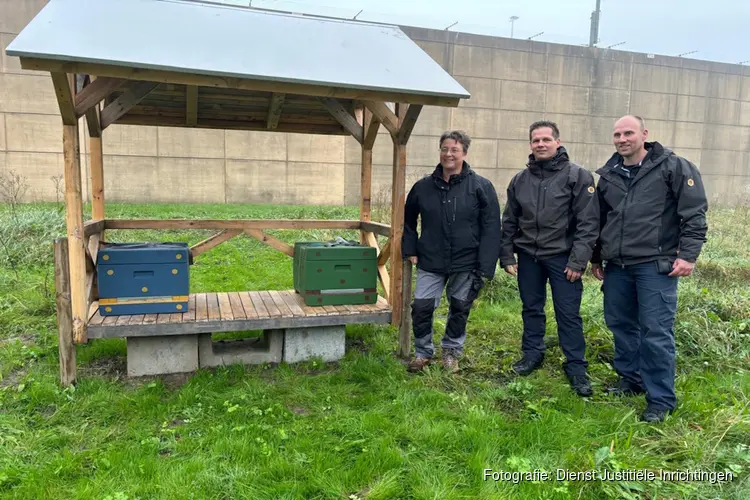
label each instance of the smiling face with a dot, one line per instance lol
(543, 143)
(452, 154)
(629, 137)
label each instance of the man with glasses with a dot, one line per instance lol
(551, 220)
(459, 247)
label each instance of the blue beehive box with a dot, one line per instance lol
(143, 278)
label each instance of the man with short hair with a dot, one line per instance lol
(551, 221)
(653, 226)
(459, 246)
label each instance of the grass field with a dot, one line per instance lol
(363, 427)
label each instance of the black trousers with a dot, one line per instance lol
(533, 275)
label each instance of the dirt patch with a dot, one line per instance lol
(13, 377)
(114, 367)
(171, 381)
(357, 344)
(298, 410)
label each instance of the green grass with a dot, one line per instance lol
(363, 427)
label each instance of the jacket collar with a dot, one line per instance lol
(556, 163)
(656, 154)
(437, 174)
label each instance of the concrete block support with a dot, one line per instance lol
(326, 342)
(162, 355)
(266, 349)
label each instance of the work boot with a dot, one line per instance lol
(418, 364)
(581, 384)
(527, 365)
(653, 414)
(450, 363)
(625, 388)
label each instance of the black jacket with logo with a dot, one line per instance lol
(460, 223)
(551, 210)
(660, 213)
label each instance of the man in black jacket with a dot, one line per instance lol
(459, 246)
(653, 226)
(551, 221)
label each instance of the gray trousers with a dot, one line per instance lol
(427, 296)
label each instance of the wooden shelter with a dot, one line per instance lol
(176, 63)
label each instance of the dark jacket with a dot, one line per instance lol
(460, 223)
(660, 213)
(551, 210)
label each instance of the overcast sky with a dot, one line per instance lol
(718, 30)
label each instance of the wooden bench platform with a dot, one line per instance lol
(236, 311)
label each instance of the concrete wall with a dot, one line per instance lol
(700, 109)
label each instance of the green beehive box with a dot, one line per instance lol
(335, 273)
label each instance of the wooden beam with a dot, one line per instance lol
(404, 330)
(191, 106)
(230, 224)
(66, 347)
(397, 222)
(132, 95)
(376, 227)
(271, 241)
(274, 110)
(339, 112)
(385, 280)
(93, 246)
(384, 254)
(96, 91)
(213, 241)
(96, 161)
(187, 78)
(76, 231)
(172, 121)
(65, 100)
(385, 115)
(404, 131)
(94, 121)
(93, 227)
(365, 204)
(371, 130)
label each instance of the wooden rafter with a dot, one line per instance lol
(398, 195)
(371, 131)
(339, 112)
(274, 110)
(94, 121)
(377, 228)
(229, 224)
(65, 99)
(191, 105)
(271, 241)
(412, 114)
(385, 115)
(213, 241)
(184, 78)
(133, 94)
(385, 280)
(384, 254)
(95, 92)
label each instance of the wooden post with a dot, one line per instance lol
(404, 332)
(365, 206)
(66, 347)
(97, 178)
(76, 239)
(398, 196)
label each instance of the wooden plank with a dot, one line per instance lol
(238, 311)
(214, 313)
(190, 314)
(398, 195)
(247, 305)
(186, 78)
(280, 303)
(225, 307)
(241, 224)
(130, 97)
(96, 161)
(365, 181)
(93, 247)
(373, 227)
(66, 347)
(191, 106)
(93, 227)
(349, 122)
(271, 307)
(308, 310)
(385, 253)
(111, 320)
(201, 307)
(136, 319)
(271, 241)
(331, 309)
(291, 301)
(163, 318)
(176, 317)
(385, 115)
(258, 305)
(95, 92)
(75, 232)
(371, 130)
(96, 319)
(233, 123)
(274, 110)
(213, 241)
(94, 122)
(150, 319)
(404, 336)
(410, 120)
(65, 97)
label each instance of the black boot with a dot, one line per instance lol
(581, 384)
(653, 415)
(528, 364)
(625, 388)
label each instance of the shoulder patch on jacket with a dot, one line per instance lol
(591, 189)
(690, 182)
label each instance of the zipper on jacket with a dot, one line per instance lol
(538, 201)
(454, 208)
